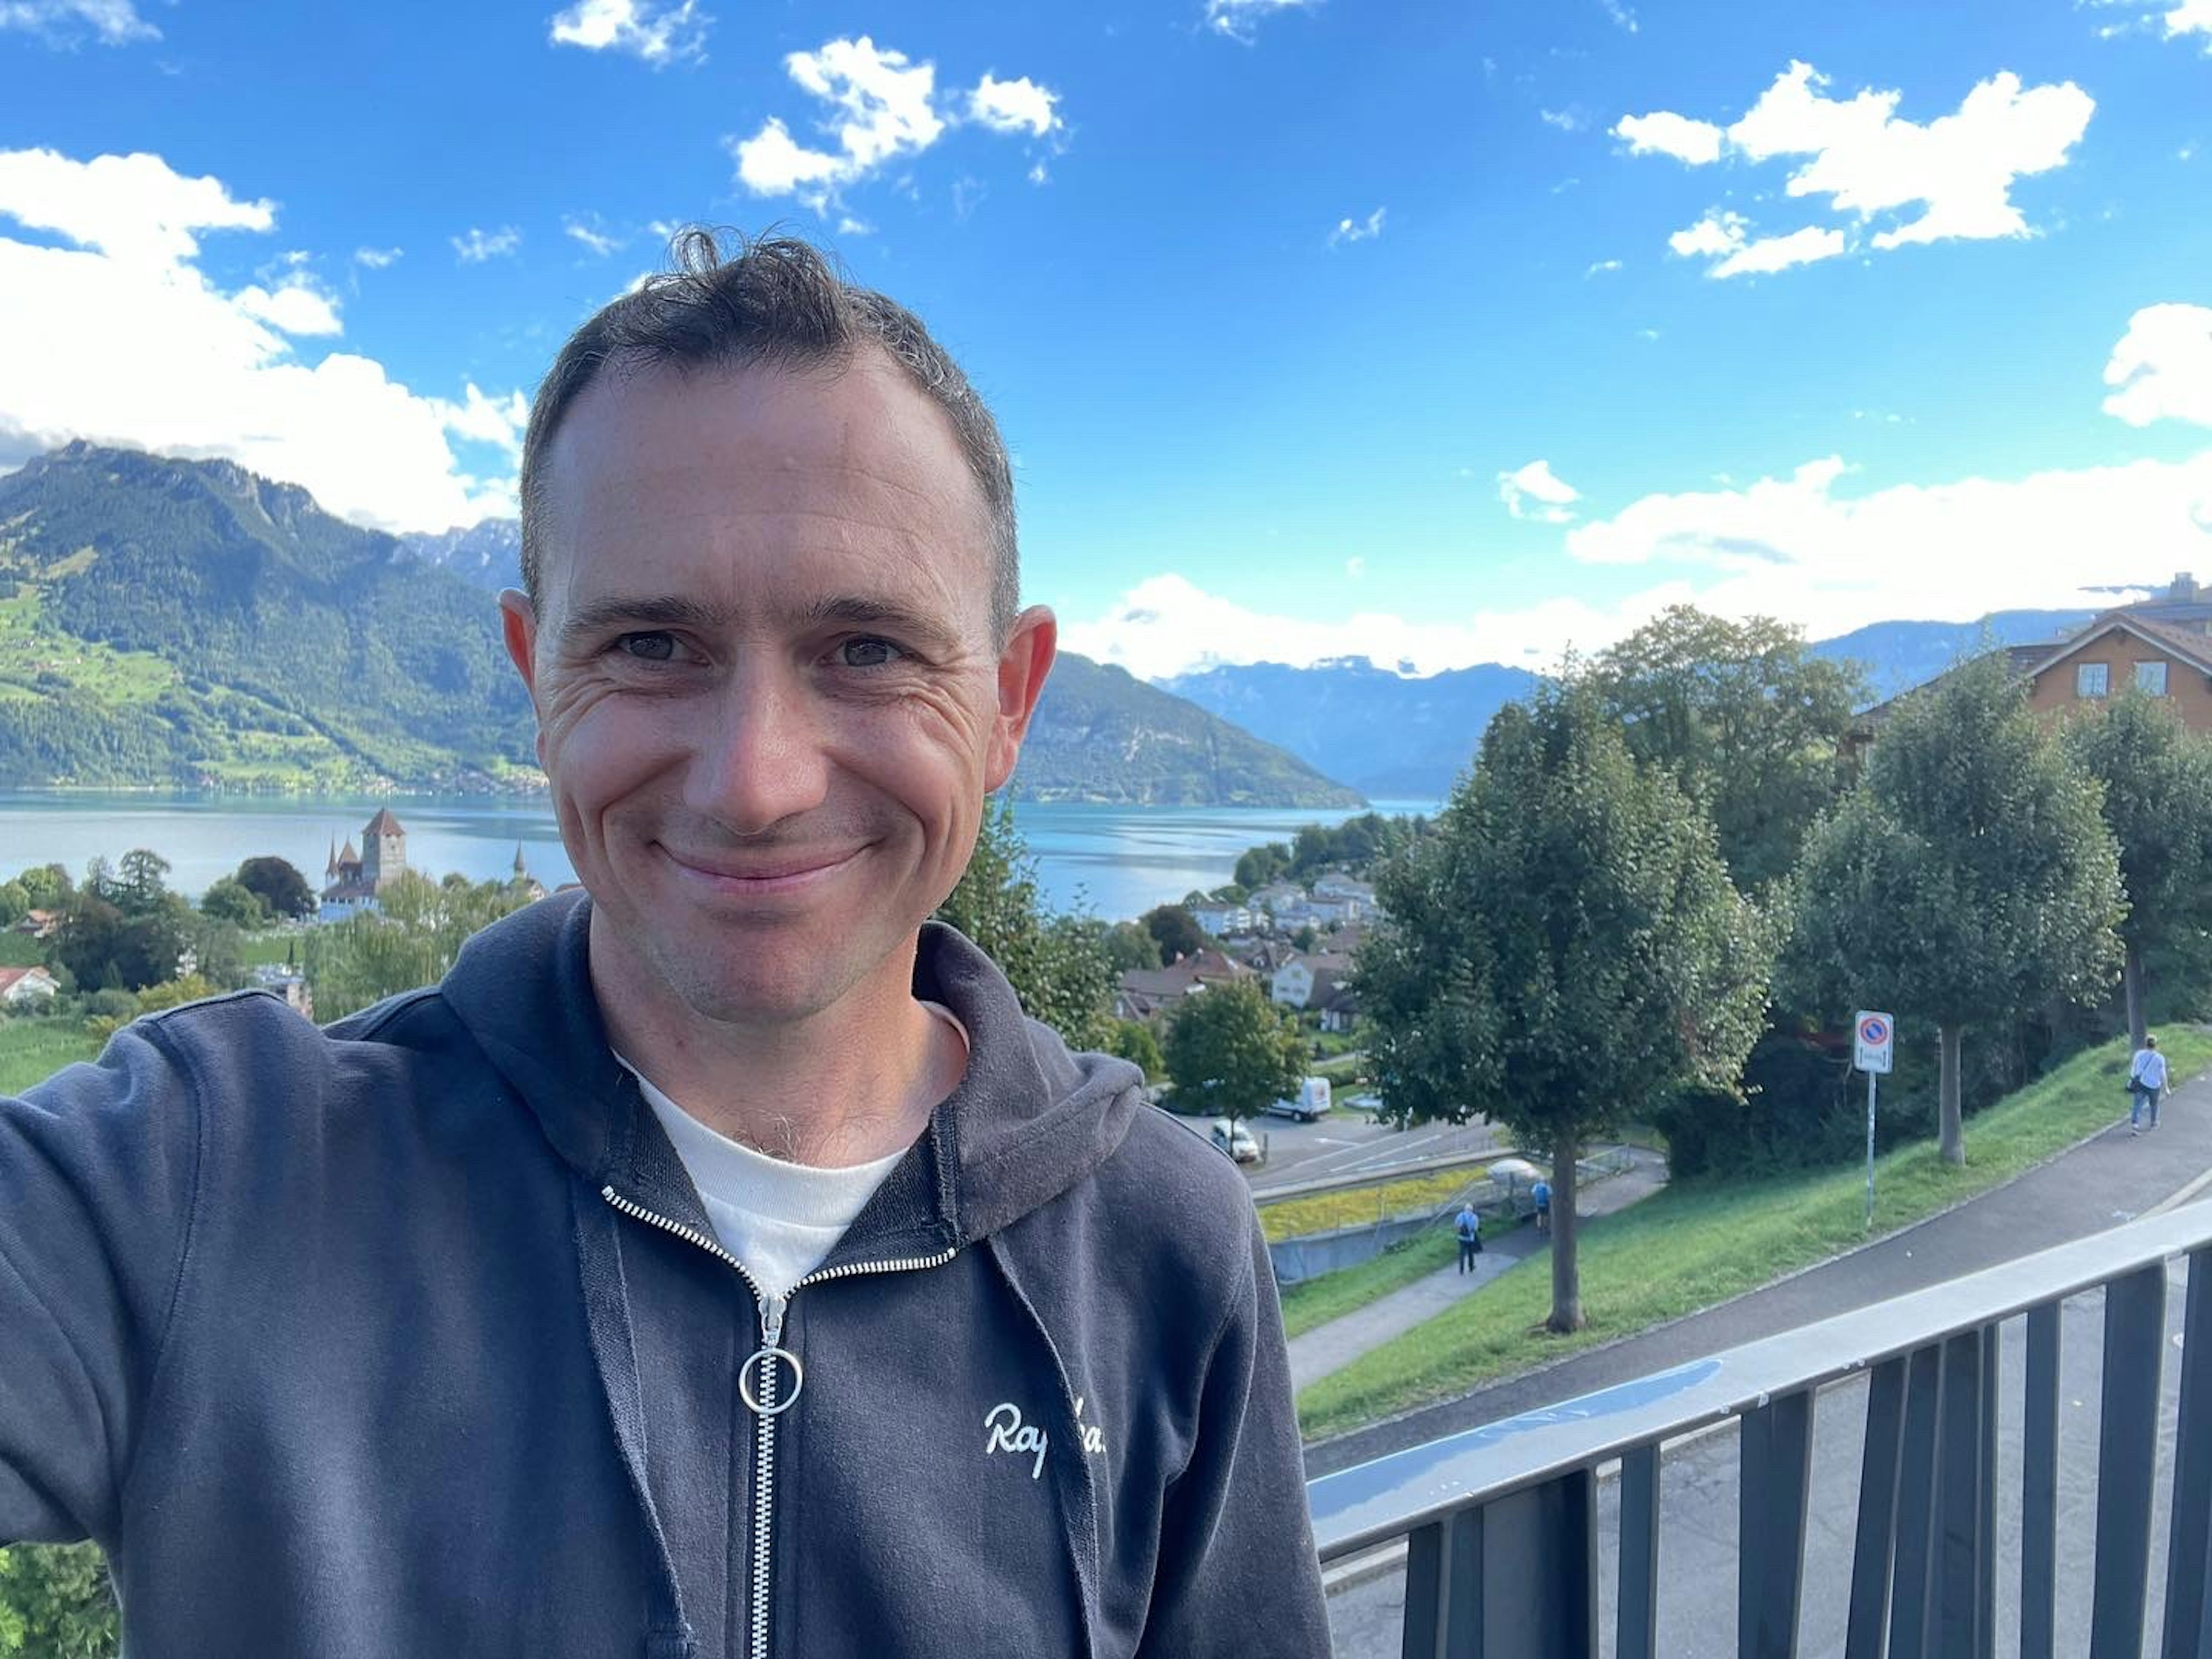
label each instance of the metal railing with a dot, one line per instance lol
(1500, 1523)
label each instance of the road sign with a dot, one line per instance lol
(1876, 1040)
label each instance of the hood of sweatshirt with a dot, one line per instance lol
(1029, 1119)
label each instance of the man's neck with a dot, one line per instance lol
(854, 1083)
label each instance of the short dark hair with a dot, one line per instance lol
(776, 302)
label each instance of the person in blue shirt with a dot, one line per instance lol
(1469, 1228)
(2146, 1082)
(1541, 1192)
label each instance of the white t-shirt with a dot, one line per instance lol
(780, 1220)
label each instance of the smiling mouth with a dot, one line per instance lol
(785, 873)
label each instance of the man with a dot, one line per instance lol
(719, 1263)
(1469, 1229)
(2146, 1082)
(1540, 1195)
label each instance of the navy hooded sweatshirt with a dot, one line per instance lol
(410, 1336)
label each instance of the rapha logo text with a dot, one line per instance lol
(1008, 1433)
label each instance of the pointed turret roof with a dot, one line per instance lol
(518, 870)
(331, 868)
(347, 856)
(382, 824)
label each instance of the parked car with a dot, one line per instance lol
(1235, 1141)
(1312, 1101)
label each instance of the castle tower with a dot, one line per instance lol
(383, 849)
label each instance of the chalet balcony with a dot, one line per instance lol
(2018, 1461)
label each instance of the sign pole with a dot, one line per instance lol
(1869, 1207)
(1873, 1040)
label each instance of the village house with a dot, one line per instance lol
(1340, 1012)
(288, 983)
(39, 924)
(1223, 920)
(355, 881)
(19, 987)
(1143, 993)
(1305, 982)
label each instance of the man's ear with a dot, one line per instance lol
(518, 622)
(1023, 667)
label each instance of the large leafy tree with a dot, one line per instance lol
(1564, 951)
(55, 1603)
(1233, 1052)
(1748, 719)
(410, 941)
(1057, 964)
(1175, 931)
(278, 884)
(229, 900)
(1968, 877)
(2157, 778)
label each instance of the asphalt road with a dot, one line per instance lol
(1698, 1518)
(1346, 1144)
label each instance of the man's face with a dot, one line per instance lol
(769, 702)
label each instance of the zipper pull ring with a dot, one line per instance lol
(767, 1401)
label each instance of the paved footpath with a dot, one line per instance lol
(2111, 1178)
(1330, 1347)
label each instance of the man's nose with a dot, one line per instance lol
(762, 761)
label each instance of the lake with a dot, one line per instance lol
(1116, 860)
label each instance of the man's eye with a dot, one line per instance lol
(868, 653)
(648, 647)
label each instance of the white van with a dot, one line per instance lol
(1312, 1101)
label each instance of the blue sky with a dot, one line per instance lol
(1441, 334)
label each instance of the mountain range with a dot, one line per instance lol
(166, 622)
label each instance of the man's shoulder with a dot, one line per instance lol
(1169, 1180)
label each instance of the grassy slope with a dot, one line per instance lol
(32, 1050)
(1321, 1212)
(1692, 1246)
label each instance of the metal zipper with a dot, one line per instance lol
(767, 1405)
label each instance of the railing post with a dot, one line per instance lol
(2038, 1488)
(1516, 1578)
(1958, 1502)
(1444, 1589)
(1636, 1626)
(1877, 1528)
(1776, 1466)
(2189, 1547)
(2127, 1460)
(1909, 1605)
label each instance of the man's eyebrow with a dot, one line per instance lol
(595, 616)
(854, 611)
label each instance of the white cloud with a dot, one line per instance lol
(2189, 17)
(1239, 18)
(1619, 13)
(883, 107)
(1950, 178)
(378, 258)
(113, 22)
(1664, 134)
(1536, 492)
(1365, 230)
(1040, 175)
(848, 226)
(294, 307)
(1018, 105)
(592, 235)
(1714, 236)
(1166, 624)
(2162, 368)
(1566, 120)
(480, 245)
(1602, 267)
(121, 337)
(658, 34)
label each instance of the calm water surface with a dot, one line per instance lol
(1116, 860)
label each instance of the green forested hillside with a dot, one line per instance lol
(187, 623)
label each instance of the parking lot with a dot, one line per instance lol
(1346, 1143)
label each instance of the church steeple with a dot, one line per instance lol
(330, 870)
(520, 872)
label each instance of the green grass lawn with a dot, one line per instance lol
(261, 950)
(1347, 1290)
(1692, 1246)
(32, 1050)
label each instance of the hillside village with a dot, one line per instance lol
(1257, 938)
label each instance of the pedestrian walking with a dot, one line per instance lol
(1469, 1228)
(2146, 1082)
(1541, 1192)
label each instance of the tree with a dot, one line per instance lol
(104, 947)
(1262, 865)
(230, 900)
(1176, 930)
(1746, 718)
(14, 902)
(45, 885)
(410, 941)
(56, 1603)
(1130, 945)
(1306, 938)
(1565, 950)
(278, 884)
(2157, 779)
(141, 884)
(1969, 876)
(1133, 1040)
(1058, 964)
(1231, 1052)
